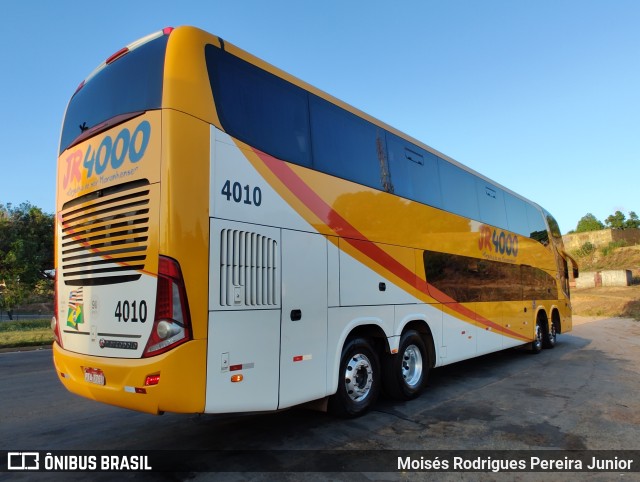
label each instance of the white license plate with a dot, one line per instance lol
(94, 375)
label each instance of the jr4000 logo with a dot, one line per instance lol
(127, 148)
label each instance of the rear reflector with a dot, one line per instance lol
(152, 380)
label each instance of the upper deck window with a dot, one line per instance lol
(131, 83)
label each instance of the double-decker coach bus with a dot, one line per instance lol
(230, 238)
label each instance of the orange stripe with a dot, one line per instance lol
(352, 235)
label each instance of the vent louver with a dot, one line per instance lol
(248, 269)
(105, 241)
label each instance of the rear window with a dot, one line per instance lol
(132, 83)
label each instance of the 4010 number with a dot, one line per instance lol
(131, 311)
(242, 194)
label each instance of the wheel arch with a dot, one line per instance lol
(556, 319)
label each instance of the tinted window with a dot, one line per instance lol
(259, 108)
(467, 279)
(458, 190)
(132, 83)
(347, 146)
(491, 204)
(554, 227)
(538, 284)
(537, 226)
(516, 215)
(414, 171)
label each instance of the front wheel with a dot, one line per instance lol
(405, 374)
(358, 379)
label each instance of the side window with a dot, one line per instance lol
(347, 146)
(467, 279)
(259, 108)
(414, 171)
(491, 203)
(538, 284)
(517, 215)
(554, 227)
(537, 226)
(458, 190)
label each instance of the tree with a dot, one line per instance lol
(589, 222)
(633, 221)
(616, 220)
(26, 251)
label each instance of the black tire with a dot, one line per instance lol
(549, 340)
(538, 341)
(358, 379)
(405, 374)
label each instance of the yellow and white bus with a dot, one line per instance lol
(230, 238)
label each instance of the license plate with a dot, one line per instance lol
(94, 375)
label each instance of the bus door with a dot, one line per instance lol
(303, 338)
(243, 358)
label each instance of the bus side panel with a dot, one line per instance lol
(458, 338)
(244, 345)
(488, 338)
(360, 285)
(303, 347)
(243, 350)
(241, 193)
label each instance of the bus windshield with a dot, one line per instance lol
(132, 83)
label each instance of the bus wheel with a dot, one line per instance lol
(405, 374)
(549, 340)
(358, 379)
(536, 344)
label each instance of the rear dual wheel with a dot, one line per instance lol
(405, 374)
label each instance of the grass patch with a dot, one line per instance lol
(25, 333)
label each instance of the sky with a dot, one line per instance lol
(541, 96)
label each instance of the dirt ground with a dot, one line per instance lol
(607, 302)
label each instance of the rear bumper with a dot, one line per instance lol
(181, 387)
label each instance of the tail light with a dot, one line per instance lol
(172, 323)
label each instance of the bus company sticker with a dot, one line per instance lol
(114, 158)
(497, 243)
(75, 312)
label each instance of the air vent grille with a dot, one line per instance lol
(105, 241)
(248, 269)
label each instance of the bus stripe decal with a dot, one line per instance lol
(348, 232)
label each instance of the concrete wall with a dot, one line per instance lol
(591, 279)
(601, 238)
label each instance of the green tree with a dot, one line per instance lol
(26, 251)
(633, 221)
(616, 220)
(589, 222)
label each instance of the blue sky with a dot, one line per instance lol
(541, 96)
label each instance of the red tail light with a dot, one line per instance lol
(172, 324)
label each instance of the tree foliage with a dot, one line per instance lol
(619, 221)
(26, 251)
(589, 222)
